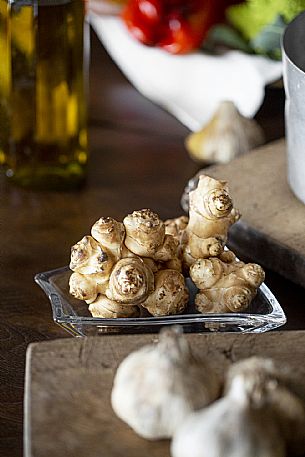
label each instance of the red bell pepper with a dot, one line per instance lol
(178, 26)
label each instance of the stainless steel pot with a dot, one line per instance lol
(293, 47)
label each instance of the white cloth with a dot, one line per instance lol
(189, 86)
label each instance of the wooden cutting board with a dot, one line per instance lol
(272, 228)
(68, 384)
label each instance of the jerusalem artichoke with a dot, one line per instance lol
(225, 287)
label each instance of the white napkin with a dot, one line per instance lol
(188, 86)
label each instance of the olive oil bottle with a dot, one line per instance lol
(43, 133)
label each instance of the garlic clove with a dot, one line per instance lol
(157, 386)
(227, 135)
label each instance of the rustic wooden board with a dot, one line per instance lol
(272, 228)
(68, 385)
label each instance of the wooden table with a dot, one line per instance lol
(137, 160)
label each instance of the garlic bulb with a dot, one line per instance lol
(158, 386)
(237, 425)
(258, 417)
(228, 428)
(227, 135)
(268, 386)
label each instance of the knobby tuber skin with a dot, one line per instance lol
(211, 213)
(110, 234)
(145, 236)
(83, 287)
(141, 261)
(89, 257)
(225, 287)
(170, 295)
(168, 250)
(176, 227)
(130, 282)
(109, 274)
(103, 307)
(158, 386)
(145, 232)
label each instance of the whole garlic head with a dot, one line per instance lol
(239, 424)
(227, 135)
(228, 428)
(267, 386)
(158, 386)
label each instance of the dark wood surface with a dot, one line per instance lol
(273, 218)
(137, 160)
(68, 388)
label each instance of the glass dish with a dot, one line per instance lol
(264, 313)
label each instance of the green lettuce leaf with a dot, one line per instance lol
(252, 16)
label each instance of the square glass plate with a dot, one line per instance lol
(264, 313)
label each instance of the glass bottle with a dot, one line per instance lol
(43, 67)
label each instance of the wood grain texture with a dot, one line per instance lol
(68, 387)
(137, 159)
(272, 228)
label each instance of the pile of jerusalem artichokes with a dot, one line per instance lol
(142, 263)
